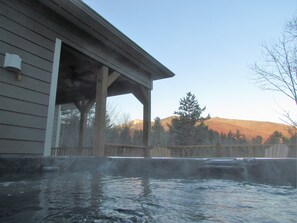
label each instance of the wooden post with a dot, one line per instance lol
(144, 96)
(147, 123)
(84, 107)
(99, 128)
(82, 129)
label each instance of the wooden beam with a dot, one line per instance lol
(112, 77)
(99, 128)
(141, 94)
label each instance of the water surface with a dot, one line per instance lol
(91, 197)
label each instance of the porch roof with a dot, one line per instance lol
(77, 12)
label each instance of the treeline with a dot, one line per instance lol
(187, 128)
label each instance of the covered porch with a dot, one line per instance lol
(85, 82)
(94, 60)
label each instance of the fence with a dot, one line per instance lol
(200, 151)
(229, 151)
(72, 151)
(125, 150)
(110, 150)
(219, 151)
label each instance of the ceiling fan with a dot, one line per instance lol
(73, 79)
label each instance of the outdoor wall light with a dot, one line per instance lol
(13, 63)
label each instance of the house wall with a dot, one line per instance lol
(29, 29)
(24, 103)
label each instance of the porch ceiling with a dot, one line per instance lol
(77, 78)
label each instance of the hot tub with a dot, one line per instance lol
(88, 189)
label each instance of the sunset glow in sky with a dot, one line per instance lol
(209, 45)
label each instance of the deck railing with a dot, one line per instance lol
(110, 150)
(72, 151)
(125, 150)
(226, 151)
(199, 151)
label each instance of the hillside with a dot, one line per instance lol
(247, 127)
(222, 125)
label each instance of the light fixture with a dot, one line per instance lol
(13, 63)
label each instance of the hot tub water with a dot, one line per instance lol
(92, 197)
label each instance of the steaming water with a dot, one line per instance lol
(90, 197)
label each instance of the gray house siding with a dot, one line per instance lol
(29, 29)
(23, 104)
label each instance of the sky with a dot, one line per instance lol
(210, 46)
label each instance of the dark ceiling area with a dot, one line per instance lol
(77, 78)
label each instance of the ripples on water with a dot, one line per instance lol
(89, 197)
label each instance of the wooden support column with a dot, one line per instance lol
(82, 129)
(84, 107)
(144, 96)
(147, 123)
(99, 128)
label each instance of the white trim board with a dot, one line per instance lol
(52, 99)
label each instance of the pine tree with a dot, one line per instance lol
(158, 133)
(183, 129)
(275, 138)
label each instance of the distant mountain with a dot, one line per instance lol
(222, 125)
(247, 127)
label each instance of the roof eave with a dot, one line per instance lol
(158, 70)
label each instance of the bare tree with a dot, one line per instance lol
(292, 27)
(278, 69)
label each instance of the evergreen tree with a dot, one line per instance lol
(70, 119)
(69, 127)
(158, 133)
(275, 138)
(125, 135)
(137, 137)
(257, 140)
(213, 137)
(183, 129)
(239, 138)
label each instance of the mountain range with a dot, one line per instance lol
(249, 128)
